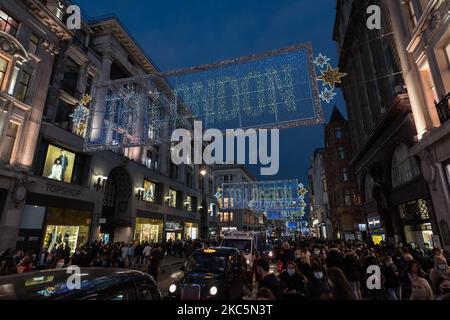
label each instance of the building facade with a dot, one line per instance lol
(397, 201)
(68, 196)
(422, 36)
(236, 219)
(346, 212)
(320, 219)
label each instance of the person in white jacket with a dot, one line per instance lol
(56, 170)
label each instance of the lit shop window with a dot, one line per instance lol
(148, 230)
(188, 203)
(149, 191)
(172, 198)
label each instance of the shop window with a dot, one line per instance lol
(8, 24)
(404, 168)
(172, 198)
(22, 86)
(149, 191)
(3, 70)
(66, 227)
(69, 82)
(34, 44)
(8, 142)
(191, 231)
(188, 204)
(148, 230)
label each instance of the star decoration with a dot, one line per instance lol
(327, 95)
(331, 76)
(86, 100)
(79, 115)
(321, 60)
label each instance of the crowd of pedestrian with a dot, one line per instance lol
(132, 255)
(315, 269)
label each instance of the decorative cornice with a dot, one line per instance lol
(13, 47)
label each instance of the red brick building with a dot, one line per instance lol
(346, 212)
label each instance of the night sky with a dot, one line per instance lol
(185, 33)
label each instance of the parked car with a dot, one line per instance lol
(94, 284)
(216, 273)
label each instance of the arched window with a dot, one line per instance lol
(404, 168)
(368, 188)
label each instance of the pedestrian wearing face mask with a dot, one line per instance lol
(443, 288)
(302, 259)
(421, 289)
(317, 287)
(392, 279)
(440, 270)
(293, 283)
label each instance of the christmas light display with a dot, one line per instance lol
(275, 89)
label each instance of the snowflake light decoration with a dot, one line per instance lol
(321, 60)
(327, 95)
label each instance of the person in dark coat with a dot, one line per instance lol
(293, 283)
(268, 279)
(317, 287)
(391, 279)
(156, 256)
(352, 271)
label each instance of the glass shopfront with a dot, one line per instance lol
(66, 227)
(190, 230)
(174, 230)
(148, 230)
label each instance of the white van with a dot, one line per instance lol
(249, 243)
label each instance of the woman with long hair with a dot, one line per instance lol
(421, 289)
(340, 286)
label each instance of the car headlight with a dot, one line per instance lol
(173, 288)
(213, 291)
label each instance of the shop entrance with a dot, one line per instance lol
(116, 197)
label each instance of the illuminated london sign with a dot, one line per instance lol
(273, 90)
(262, 196)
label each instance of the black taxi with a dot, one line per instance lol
(93, 284)
(215, 273)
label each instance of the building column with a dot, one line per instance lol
(411, 75)
(99, 109)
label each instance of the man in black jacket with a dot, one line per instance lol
(268, 279)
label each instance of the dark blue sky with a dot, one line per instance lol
(184, 33)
